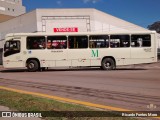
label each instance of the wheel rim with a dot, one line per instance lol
(107, 65)
(31, 65)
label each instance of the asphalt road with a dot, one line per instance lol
(132, 87)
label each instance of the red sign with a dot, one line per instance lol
(71, 29)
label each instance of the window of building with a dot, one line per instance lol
(117, 41)
(2, 8)
(75, 42)
(36, 42)
(140, 40)
(98, 41)
(56, 42)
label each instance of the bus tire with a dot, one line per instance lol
(32, 66)
(43, 68)
(108, 64)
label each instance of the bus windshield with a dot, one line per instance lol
(11, 47)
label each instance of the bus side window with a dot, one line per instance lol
(76, 42)
(92, 44)
(37, 42)
(133, 44)
(141, 40)
(119, 41)
(99, 41)
(49, 44)
(125, 44)
(56, 42)
(35, 45)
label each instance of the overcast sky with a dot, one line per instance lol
(140, 12)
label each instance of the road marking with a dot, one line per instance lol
(68, 100)
(65, 99)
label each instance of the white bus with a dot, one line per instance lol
(38, 51)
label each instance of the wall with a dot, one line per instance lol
(158, 45)
(12, 7)
(47, 19)
(23, 23)
(158, 40)
(107, 22)
(85, 19)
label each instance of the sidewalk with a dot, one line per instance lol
(3, 108)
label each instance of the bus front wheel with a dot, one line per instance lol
(32, 66)
(108, 64)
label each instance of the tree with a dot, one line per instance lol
(155, 26)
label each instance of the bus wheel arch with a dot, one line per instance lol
(33, 64)
(108, 63)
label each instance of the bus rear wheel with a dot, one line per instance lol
(108, 64)
(32, 66)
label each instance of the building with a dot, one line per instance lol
(65, 20)
(8, 10)
(5, 17)
(11, 7)
(54, 20)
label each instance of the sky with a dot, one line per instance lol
(139, 12)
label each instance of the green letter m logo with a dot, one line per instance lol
(95, 53)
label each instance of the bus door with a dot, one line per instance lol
(78, 52)
(12, 56)
(142, 49)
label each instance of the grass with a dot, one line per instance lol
(23, 102)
